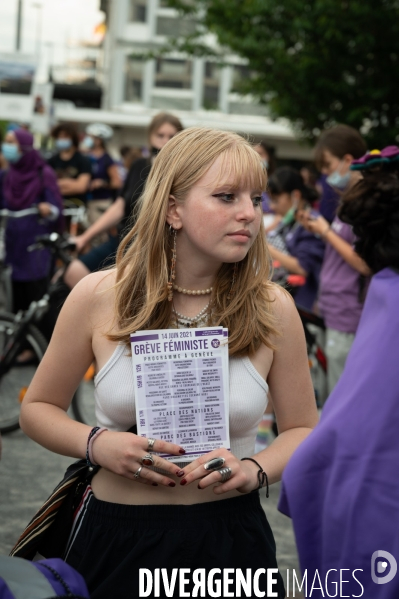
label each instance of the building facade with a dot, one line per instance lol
(197, 90)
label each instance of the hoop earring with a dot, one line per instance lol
(172, 265)
(233, 281)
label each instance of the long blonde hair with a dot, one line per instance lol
(144, 255)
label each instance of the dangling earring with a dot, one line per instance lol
(233, 281)
(173, 265)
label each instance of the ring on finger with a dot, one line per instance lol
(137, 473)
(147, 460)
(225, 473)
(214, 464)
(151, 443)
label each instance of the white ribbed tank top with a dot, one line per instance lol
(116, 410)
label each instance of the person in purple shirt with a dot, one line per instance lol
(28, 182)
(295, 249)
(343, 275)
(340, 487)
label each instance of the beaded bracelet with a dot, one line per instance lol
(262, 476)
(93, 431)
(91, 441)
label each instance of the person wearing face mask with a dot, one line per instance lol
(343, 277)
(161, 129)
(28, 182)
(106, 181)
(296, 250)
(72, 168)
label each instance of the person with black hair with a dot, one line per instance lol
(343, 277)
(340, 487)
(73, 170)
(296, 250)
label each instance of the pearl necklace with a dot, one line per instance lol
(191, 321)
(192, 292)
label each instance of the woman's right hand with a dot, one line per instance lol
(80, 242)
(122, 453)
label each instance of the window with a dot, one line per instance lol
(241, 73)
(174, 26)
(134, 79)
(138, 11)
(173, 73)
(162, 103)
(211, 86)
(244, 104)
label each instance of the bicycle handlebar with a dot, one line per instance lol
(53, 241)
(18, 213)
(308, 317)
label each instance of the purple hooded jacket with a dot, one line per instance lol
(26, 183)
(341, 487)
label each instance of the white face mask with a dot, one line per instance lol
(88, 142)
(265, 163)
(337, 180)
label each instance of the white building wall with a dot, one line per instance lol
(131, 118)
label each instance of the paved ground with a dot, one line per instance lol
(28, 473)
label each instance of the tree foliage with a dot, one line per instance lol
(315, 62)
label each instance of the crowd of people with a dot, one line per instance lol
(185, 227)
(305, 237)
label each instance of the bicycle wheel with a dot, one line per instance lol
(15, 382)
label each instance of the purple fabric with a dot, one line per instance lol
(388, 152)
(266, 203)
(309, 251)
(329, 200)
(20, 233)
(24, 182)
(341, 487)
(73, 579)
(340, 286)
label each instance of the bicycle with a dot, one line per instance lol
(18, 332)
(313, 326)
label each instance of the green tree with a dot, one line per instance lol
(315, 62)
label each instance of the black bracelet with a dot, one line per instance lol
(92, 432)
(262, 476)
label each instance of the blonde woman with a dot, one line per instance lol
(203, 195)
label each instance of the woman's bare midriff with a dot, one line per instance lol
(113, 488)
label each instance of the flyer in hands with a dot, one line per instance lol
(181, 386)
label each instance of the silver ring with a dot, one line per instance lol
(150, 446)
(147, 460)
(225, 473)
(137, 473)
(215, 464)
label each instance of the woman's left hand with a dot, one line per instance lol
(243, 474)
(44, 209)
(317, 226)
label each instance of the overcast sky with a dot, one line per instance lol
(57, 23)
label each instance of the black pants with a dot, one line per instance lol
(115, 541)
